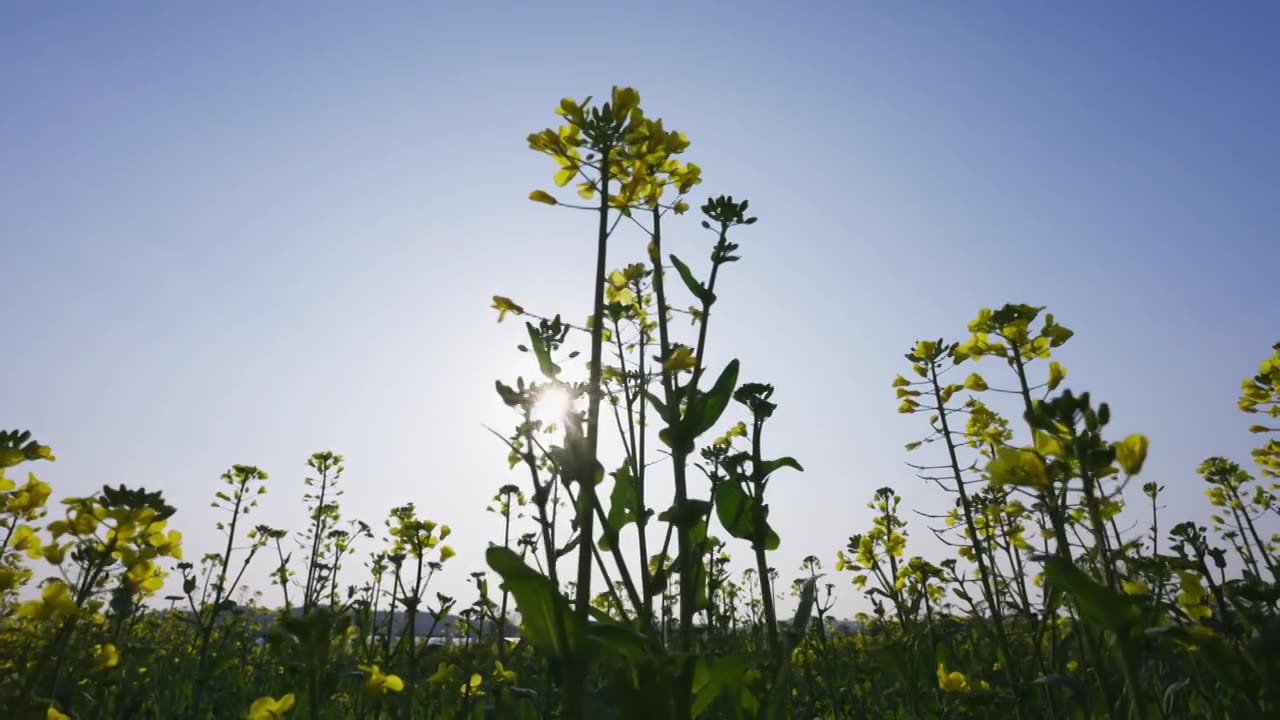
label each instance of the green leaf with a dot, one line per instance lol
(660, 406)
(780, 692)
(542, 608)
(658, 583)
(674, 439)
(573, 543)
(808, 597)
(706, 409)
(624, 505)
(737, 513)
(717, 675)
(1098, 604)
(549, 368)
(686, 514)
(510, 397)
(611, 639)
(706, 296)
(767, 467)
(691, 515)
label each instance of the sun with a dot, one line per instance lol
(554, 402)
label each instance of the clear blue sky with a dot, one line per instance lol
(242, 234)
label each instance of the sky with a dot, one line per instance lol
(242, 233)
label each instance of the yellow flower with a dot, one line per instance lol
(30, 498)
(866, 551)
(55, 553)
(1197, 612)
(952, 681)
(1056, 374)
(446, 552)
(1131, 453)
(1023, 468)
(1136, 587)
(10, 578)
(53, 714)
(501, 674)
(269, 708)
(926, 348)
(542, 196)
(896, 544)
(473, 687)
(144, 577)
(26, 540)
(680, 359)
(55, 600)
(380, 682)
(105, 656)
(169, 545)
(506, 305)
(1200, 632)
(442, 676)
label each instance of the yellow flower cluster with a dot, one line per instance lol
(634, 151)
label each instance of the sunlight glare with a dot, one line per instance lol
(552, 406)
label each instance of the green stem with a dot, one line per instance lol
(575, 687)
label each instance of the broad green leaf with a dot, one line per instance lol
(660, 406)
(686, 514)
(624, 504)
(568, 548)
(542, 608)
(706, 296)
(717, 675)
(540, 351)
(706, 409)
(509, 396)
(1098, 604)
(737, 513)
(808, 597)
(674, 439)
(780, 692)
(768, 467)
(611, 640)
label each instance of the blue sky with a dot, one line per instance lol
(242, 234)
